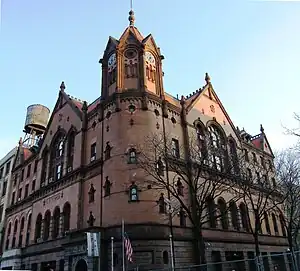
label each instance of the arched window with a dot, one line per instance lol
(70, 151)
(28, 230)
(132, 159)
(56, 217)
(217, 147)
(267, 224)
(38, 227)
(233, 157)
(245, 217)
(223, 210)
(8, 235)
(14, 235)
(165, 257)
(57, 157)
(44, 166)
(274, 223)
(282, 223)
(234, 215)
(47, 220)
(201, 141)
(211, 210)
(67, 216)
(9, 229)
(22, 225)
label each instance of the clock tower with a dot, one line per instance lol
(131, 64)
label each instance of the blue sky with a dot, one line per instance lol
(249, 48)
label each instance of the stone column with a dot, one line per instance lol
(51, 228)
(61, 224)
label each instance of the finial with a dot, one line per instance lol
(262, 129)
(62, 86)
(207, 78)
(131, 18)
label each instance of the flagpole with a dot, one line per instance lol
(123, 248)
(112, 254)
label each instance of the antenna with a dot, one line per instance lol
(131, 3)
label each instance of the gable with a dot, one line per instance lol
(65, 114)
(111, 45)
(130, 36)
(150, 42)
(206, 105)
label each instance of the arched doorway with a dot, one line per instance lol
(81, 265)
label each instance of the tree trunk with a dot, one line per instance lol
(199, 247)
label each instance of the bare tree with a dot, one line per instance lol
(288, 172)
(262, 195)
(293, 131)
(189, 179)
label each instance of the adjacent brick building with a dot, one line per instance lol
(79, 179)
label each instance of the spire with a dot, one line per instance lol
(131, 17)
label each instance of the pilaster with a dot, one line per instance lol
(61, 224)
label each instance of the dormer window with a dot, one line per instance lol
(132, 156)
(107, 186)
(107, 151)
(160, 167)
(133, 193)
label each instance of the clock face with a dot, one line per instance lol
(112, 60)
(150, 58)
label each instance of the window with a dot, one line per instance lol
(175, 148)
(107, 186)
(93, 152)
(92, 193)
(249, 174)
(211, 210)
(233, 157)
(275, 223)
(1, 172)
(36, 162)
(19, 194)
(223, 211)
(282, 224)
(66, 214)
(201, 141)
(26, 190)
(33, 185)
(56, 218)
(244, 217)
(133, 193)
(217, 147)
(258, 177)
(273, 182)
(234, 215)
(132, 156)
(22, 175)
(38, 227)
(28, 170)
(7, 168)
(13, 198)
(266, 218)
(165, 257)
(57, 158)
(4, 188)
(47, 220)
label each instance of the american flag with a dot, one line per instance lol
(128, 247)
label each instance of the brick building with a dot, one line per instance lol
(6, 164)
(78, 179)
